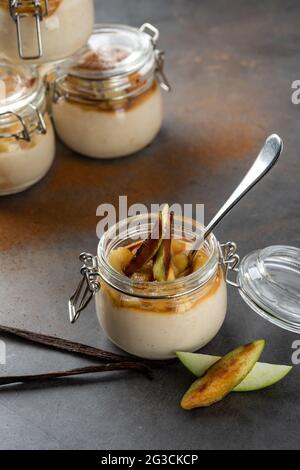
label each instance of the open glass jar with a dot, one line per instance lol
(154, 320)
(107, 101)
(27, 141)
(44, 30)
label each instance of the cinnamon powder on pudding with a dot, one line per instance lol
(101, 59)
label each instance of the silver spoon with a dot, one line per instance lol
(266, 159)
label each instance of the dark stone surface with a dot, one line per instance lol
(231, 63)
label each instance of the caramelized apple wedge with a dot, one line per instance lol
(223, 377)
(162, 262)
(148, 248)
(119, 258)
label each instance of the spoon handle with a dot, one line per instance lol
(266, 159)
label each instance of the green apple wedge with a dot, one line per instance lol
(223, 376)
(261, 376)
(162, 261)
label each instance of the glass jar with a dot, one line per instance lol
(107, 101)
(27, 141)
(44, 30)
(154, 320)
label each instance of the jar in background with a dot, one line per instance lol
(107, 100)
(27, 140)
(44, 30)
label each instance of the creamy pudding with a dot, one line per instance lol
(108, 102)
(156, 330)
(22, 164)
(154, 319)
(110, 133)
(64, 29)
(27, 140)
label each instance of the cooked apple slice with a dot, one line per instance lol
(178, 246)
(147, 250)
(223, 376)
(200, 260)
(180, 263)
(162, 262)
(171, 275)
(119, 258)
(262, 375)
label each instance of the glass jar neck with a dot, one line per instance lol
(111, 89)
(138, 228)
(119, 62)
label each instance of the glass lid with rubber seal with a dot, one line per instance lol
(22, 101)
(269, 282)
(18, 87)
(117, 62)
(113, 50)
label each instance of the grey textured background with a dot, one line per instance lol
(231, 64)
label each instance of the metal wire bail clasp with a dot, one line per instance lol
(87, 288)
(161, 77)
(230, 260)
(19, 10)
(23, 134)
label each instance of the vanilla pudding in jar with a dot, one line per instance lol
(44, 30)
(151, 298)
(107, 101)
(27, 141)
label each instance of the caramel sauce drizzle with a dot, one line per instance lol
(182, 305)
(121, 105)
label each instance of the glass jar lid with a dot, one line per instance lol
(118, 62)
(113, 50)
(269, 282)
(22, 101)
(17, 85)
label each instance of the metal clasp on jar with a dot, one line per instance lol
(87, 288)
(19, 10)
(25, 133)
(230, 260)
(161, 77)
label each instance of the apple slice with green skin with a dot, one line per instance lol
(223, 376)
(261, 376)
(150, 246)
(163, 258)
(197, 364)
